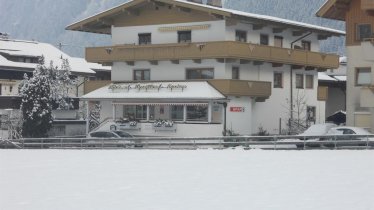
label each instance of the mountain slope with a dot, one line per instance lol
(45, 20)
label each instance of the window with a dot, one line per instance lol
(135, 112)
(241, 36)
(0, 89)
(145, 39)
(306, 45)
(363, 31)
(264, 39)
(235, 73)
(278, 80)
(177, 113)
(309, 81)
(184, 36)
(200, 74)
(311, 115)
(143, 74)
(300, 81)
(278, 41)
(363, 76)
(197, 113)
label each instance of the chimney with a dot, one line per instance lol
(196, 1)
(215, 3)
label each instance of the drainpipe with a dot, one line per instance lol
(291, 80)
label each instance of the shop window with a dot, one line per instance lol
(184, 36)
(177, 113)
(278, 80)
(363, 76)
(145, 39)
(278, 41)
(235, 73)
(142, 74)
(264, 39)
(197, 113)
(241, 36)
(306, 45)
(299, 81)
(363, 31)
(135, 112)
(309, 81)
(200, 74)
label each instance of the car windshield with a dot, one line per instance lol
(123, 134)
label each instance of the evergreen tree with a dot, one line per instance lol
(47, 87)
(36, 103)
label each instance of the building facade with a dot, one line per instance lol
(20, 57)
(359, 18)
(264, 68)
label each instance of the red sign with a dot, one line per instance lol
(237, 109)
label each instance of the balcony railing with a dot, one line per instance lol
(211, 50)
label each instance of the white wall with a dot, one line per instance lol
(253, 36)
(356, 60)
(165, 70)
(240, 122)
(129, 35)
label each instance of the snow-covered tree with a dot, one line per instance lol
(36, 103)
(47, 87)
(61, 85)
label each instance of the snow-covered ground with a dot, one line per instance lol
(186, 180)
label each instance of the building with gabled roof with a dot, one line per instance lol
(359, 18)
(257, 63)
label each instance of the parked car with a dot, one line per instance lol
(360, 136)
(119, 138)
(313, 133)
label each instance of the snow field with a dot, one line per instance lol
(186, 180)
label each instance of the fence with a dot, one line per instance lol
(249, 142)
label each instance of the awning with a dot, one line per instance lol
(162, 104)
(168, 92)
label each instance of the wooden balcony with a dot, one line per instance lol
(256, 89)
(211, 50)
(90, 86)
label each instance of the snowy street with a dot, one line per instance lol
(186, 180)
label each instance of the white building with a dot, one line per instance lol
(19, 57)
(255, 63)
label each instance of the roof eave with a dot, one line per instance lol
(326, 11)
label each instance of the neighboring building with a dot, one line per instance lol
(19, 57)
(181, 61)
(359, 18)
(336, 82)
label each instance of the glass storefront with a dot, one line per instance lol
(195, 113)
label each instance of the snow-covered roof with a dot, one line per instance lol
(228, 12)
(343, 60)
(341, 78)
(37, 49)
(93, 66)
(323, 76)
(171, 91)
